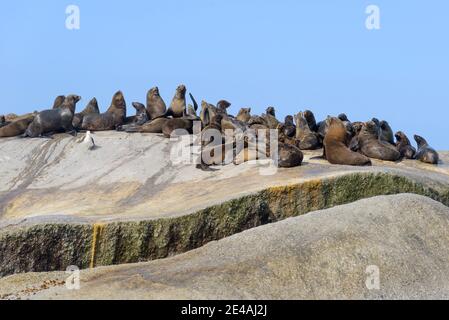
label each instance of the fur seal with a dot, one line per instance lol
(308, 140)
(59, 100)
(426, 153)
(244, 114)
(153, 126)
(111, 119)
(270, 118)
(137, 121)
(53, 120)
(336, 150)
(371, 146)
(386, 133)
(175, 124)
(141, 114)
(311, 121)
(17, 126)
(404, 146)
(177, 107)
(156, 107)
(289, 127)
(92, 107)
(323, 126)
(223, 106)
(3, 121)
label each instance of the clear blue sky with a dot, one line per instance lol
(293, 55)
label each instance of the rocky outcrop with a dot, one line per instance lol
(126, 202)
(399, 240)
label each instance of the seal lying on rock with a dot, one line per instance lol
(91, 108)
(185, 126)
(17, 126)
(177, 107)
(53, 120)
(308, 140)
(336, 150)
(156, 107)
(111, 119)
(404, 146)
(138, 120)
(425, 152)
(371, 146)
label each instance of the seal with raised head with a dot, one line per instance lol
(185, 125)
(223, 105)
(54, 120)
(156, 107)
(426, 153)
(177, 107)
(289, 127)
(336, 149)
(244, 114)
(386, 133)
(308, 140)
(404, 146)
(111, 119)
(371, 146)
(270, 118)
(17, 126)
(91, 108)
(311, 121)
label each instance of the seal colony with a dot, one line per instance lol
(226, 138)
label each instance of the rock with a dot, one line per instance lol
(320, 255)
(127, 202)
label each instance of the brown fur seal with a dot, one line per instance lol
(308, 139)
(335, 146)
(311, 121)
(404, 146)
(289, 127)
(156, 107)
(92, 107)
(58, 102)
(386, 133)
(244, 114)
(53, 120)
(17, 126)
(177, 107)
(270, 118)
(177, 123)
(223, 105)
(425, 152)
(323, 126)
(371, 146)
(208, 111)
(215, 124)
(111, 119)
(153, 126)
(137, 121)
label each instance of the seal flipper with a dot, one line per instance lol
(195, 104)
